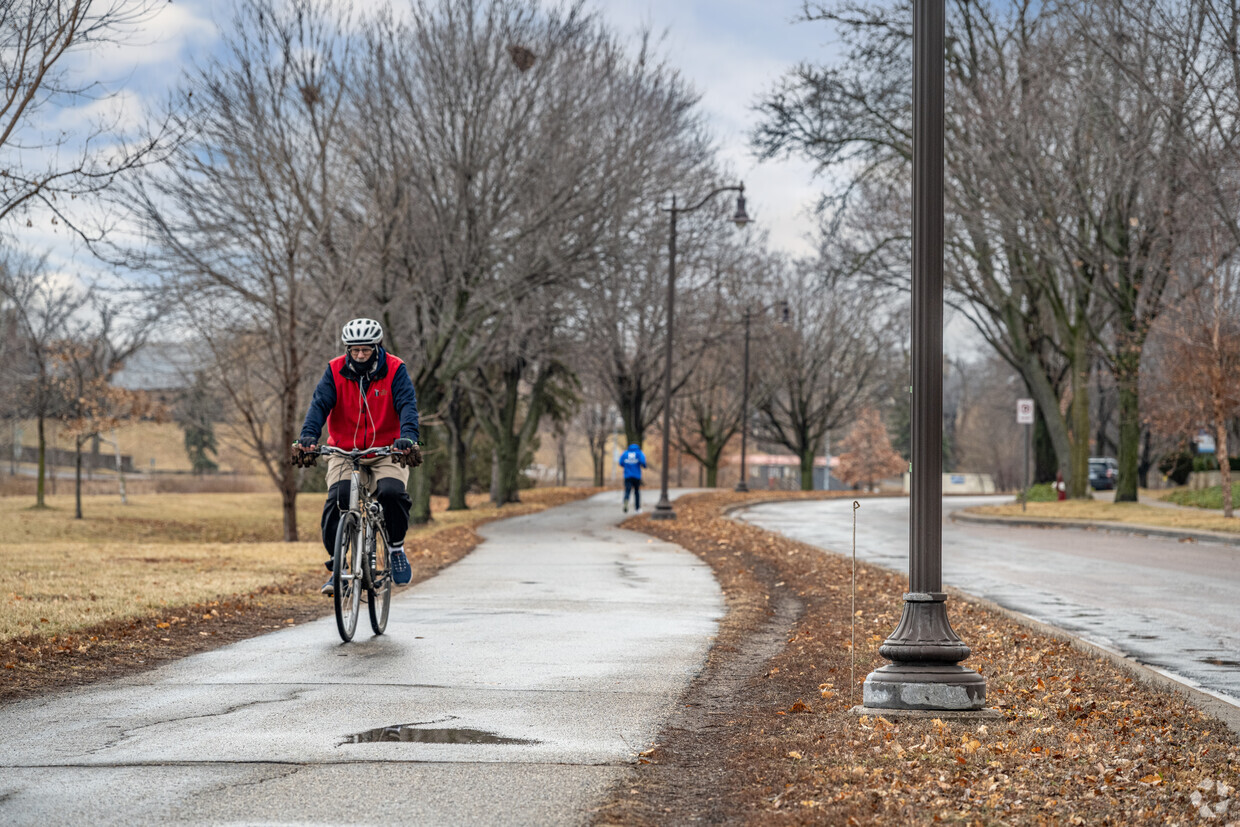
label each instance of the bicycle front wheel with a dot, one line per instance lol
(379, 589)
(348, 586)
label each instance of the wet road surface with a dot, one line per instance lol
(1171, 605)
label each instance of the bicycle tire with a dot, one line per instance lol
(348, 590)
(379, 590)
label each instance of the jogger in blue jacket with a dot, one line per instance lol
(633, 461)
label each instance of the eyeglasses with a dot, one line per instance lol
(361, 351)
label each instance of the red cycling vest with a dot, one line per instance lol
(358, 421)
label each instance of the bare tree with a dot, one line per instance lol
(246, 218)
(43, 308)
(497, 172)
(86, 359)
(40, 40)
(833, 357)
(1067, 171)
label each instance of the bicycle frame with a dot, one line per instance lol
(366, 514)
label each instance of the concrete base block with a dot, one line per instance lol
(979, 715)
(924, 686)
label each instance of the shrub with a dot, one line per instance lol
(1043, 492)
(1211, 497)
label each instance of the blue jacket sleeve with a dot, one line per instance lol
(320, 406)
(643, 457)
(406, 401)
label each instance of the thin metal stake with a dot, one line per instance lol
(852, 681)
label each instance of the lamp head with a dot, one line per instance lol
(741, 218)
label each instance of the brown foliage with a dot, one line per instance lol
(866, 454)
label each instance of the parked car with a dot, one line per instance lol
(1102, 473)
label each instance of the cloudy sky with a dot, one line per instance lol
(730, 50)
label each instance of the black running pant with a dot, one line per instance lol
(392, 497)
(635, 486)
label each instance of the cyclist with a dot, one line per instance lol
(633, 461)
(366, 399)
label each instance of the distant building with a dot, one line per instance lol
(162, 369)
(783, 472)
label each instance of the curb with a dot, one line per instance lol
(1193, 535)
(1228, 713)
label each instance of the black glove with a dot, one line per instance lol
(404, 445)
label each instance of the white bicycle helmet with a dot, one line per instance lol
(361, 332)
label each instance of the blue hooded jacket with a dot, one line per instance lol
(633, 461)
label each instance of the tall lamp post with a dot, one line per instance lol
(742, 486)
(785, 313)
(663, 511)
(924, 650)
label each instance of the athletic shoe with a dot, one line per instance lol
(329, 588)
(637, 510)
(401, 573)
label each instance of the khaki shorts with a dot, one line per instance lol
(373, 470)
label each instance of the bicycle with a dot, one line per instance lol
(360, 557)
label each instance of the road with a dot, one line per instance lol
(512, 688)
(1167, 604)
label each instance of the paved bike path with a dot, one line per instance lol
(566, 637)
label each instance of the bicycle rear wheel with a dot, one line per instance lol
(379, 589)
(348, 588)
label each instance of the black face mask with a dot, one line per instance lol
(364, 368)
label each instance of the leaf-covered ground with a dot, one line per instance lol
(765, 735)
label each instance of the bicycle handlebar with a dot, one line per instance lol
(356, 453)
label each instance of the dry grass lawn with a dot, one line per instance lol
(1135, 513)
(58, 574)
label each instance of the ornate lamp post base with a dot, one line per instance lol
(925, 651)
(663, 511)
(741, 488)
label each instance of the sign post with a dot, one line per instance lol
(1024, 416)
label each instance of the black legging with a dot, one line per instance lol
(392, 497)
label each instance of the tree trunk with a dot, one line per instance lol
(1047, 403)
(599, 458)
(288, 475)
(1224, 460)
(420, 479)
(1127, 378)
(288, 504)
(458, 456)
(457, 453)
(1044, 463)
(40, 482)
(632, 396)
(77, 477)
(1078, 457)
(507, 455)
(807, 469)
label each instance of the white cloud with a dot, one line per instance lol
(161, 41)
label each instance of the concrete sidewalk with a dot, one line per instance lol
(525, 677)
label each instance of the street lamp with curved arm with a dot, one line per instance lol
(663, 511)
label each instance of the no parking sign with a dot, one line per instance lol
(1024, 411)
